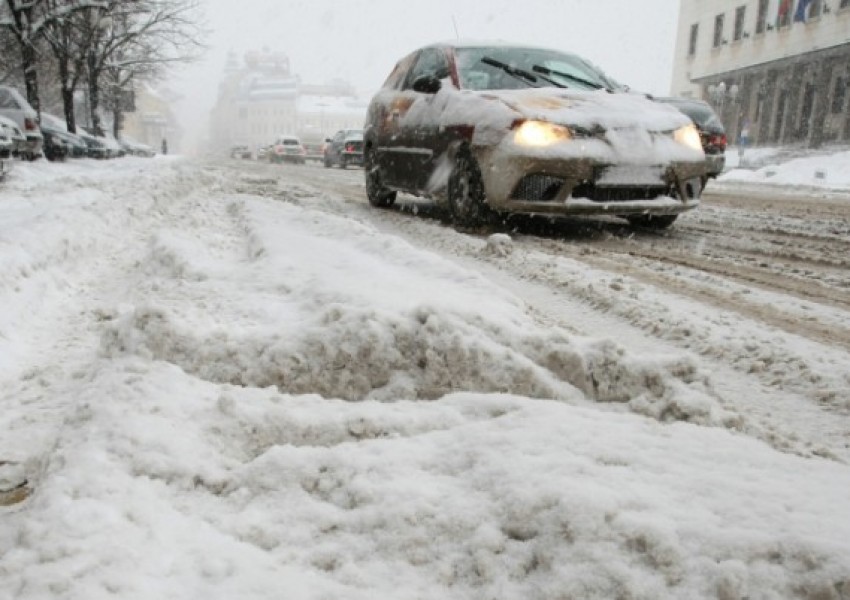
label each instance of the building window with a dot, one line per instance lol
(740, 13)
(839, 93)
(761, 19)
(692, 45)
(844, 4)
(718, 30)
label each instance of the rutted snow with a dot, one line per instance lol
(255, 398)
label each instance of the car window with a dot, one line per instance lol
(431, 61)
(8, 101)
(399, 73)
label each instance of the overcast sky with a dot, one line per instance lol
(360, 41)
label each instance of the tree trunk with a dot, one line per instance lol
(117, 123)
(94, 97)
(68, 106)
(28, 62)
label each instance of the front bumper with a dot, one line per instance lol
(716, 164)
(588, 183)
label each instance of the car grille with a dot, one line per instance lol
(538, 188)
(617, 194)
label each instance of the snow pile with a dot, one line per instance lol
(827, 171)
(329, 307)
(238, 397)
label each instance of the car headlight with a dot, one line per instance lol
(541, 133)
(688, 136)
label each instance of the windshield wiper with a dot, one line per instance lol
(548, 71)
(514, 71)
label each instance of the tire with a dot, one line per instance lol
(379, 196)
(652, 221)
(467, 199)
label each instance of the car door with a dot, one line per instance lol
(420, 128)
(383, 124)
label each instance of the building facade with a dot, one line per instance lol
(260, 99)
(778, 70)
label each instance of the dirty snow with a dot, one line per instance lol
(210, 391)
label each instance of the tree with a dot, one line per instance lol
(144, 37)
(27, 20)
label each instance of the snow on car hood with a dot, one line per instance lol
(592, 109)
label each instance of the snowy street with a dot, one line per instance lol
(231, 379)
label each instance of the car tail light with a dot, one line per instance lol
(30, 124)
(349, 148)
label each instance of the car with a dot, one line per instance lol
(7, 145)
(496, 129)
(711, 131)
(55, 147)
(15, 107)
(241, 151)
(344, 148)
(95, 146)
(11, 131)
(136, 148)
(57, 127)
(288, 148)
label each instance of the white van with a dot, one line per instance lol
(14, 106)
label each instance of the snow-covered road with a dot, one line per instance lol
(231, 379)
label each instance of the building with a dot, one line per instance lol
(152, 119)
(260, 99)
(778, 68)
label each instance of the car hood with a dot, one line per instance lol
(591, 110)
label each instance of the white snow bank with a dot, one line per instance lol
(164, 485)
(205, 350)
(831, 171)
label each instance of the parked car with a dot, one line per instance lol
(7, 145)
(288, 148)
(711, 131)
(513, 129)
(345, 148)
(241, 152)
(14, 106)
(57, 127)
(135, 148)
(95, 146)
(55, 147)
(11, 131)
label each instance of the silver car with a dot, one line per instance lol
(15, 107)
(507, 129)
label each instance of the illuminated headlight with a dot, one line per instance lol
(688, 136)
(541, 133)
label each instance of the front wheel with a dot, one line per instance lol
(379, 195)
(467, 199)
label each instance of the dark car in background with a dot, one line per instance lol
(55, 146)
(711, 131)
(344, 148)
(487, 129)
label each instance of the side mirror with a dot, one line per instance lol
(427, 84)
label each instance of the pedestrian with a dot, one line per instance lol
(744, 138)
(164, 146)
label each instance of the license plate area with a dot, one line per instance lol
(629, 176)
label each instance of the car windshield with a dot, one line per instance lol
(290, 142)
(496, 68)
